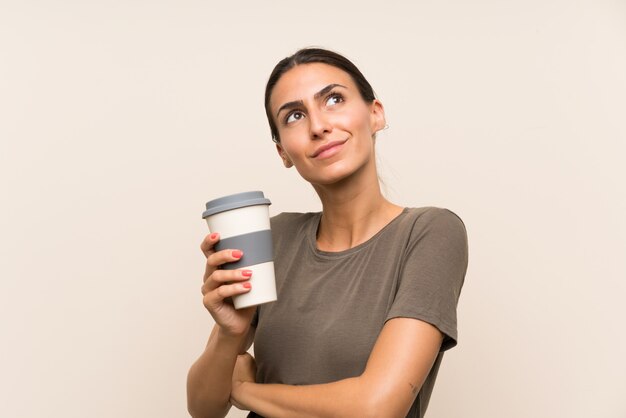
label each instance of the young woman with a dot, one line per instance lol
(367, 289)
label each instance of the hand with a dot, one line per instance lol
(220, 285)
(245, 371)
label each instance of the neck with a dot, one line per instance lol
(353, 211)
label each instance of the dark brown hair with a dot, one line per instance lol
(308, 56)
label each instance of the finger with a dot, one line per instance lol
(215, 298)
(221, 277)
(220, 257)
(208, 243)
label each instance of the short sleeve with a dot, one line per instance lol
(433, 274)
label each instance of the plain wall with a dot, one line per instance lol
(120, 119)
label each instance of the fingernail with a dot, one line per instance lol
(246, 273)
(247, 285)
(213, 235)
(237, 254)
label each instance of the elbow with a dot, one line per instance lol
(199, 406)
(195, 406)
(376, 411)
(381, 411)
(382, 403)
(193, 409)
(196, 412)
(374, 405)
(193, 413)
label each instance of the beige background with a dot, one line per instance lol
(119, 119)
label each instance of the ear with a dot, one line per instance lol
(377, 116)
(283, 155)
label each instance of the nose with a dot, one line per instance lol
(320, 125)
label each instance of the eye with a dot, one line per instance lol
(294, 116)
(334, 99)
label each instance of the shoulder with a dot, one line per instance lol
(434, 217)
(442, 218)
(437, 225)
(290, 221)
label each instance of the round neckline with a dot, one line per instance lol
(312, 235)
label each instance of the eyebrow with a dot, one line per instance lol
(298, 103)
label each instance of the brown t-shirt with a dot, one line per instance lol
(332, 306)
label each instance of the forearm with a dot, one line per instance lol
(209, 379)
(343, 398)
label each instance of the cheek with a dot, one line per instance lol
(292, 149)
(295, 139)
(353, 120)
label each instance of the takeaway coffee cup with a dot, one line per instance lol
(243, 223)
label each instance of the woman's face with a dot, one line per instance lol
(325, 127)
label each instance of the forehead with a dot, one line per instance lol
(304, 80)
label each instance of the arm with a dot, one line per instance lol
(397, 367)
(208, 381)
(209, 378)
(431, 280)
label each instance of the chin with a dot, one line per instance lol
(328, 176)
(325, 181)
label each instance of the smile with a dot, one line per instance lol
(328, 150)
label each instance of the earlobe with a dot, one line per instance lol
(378, 116)
(287, 162)
(281, 153)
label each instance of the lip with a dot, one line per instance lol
(326, 147)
